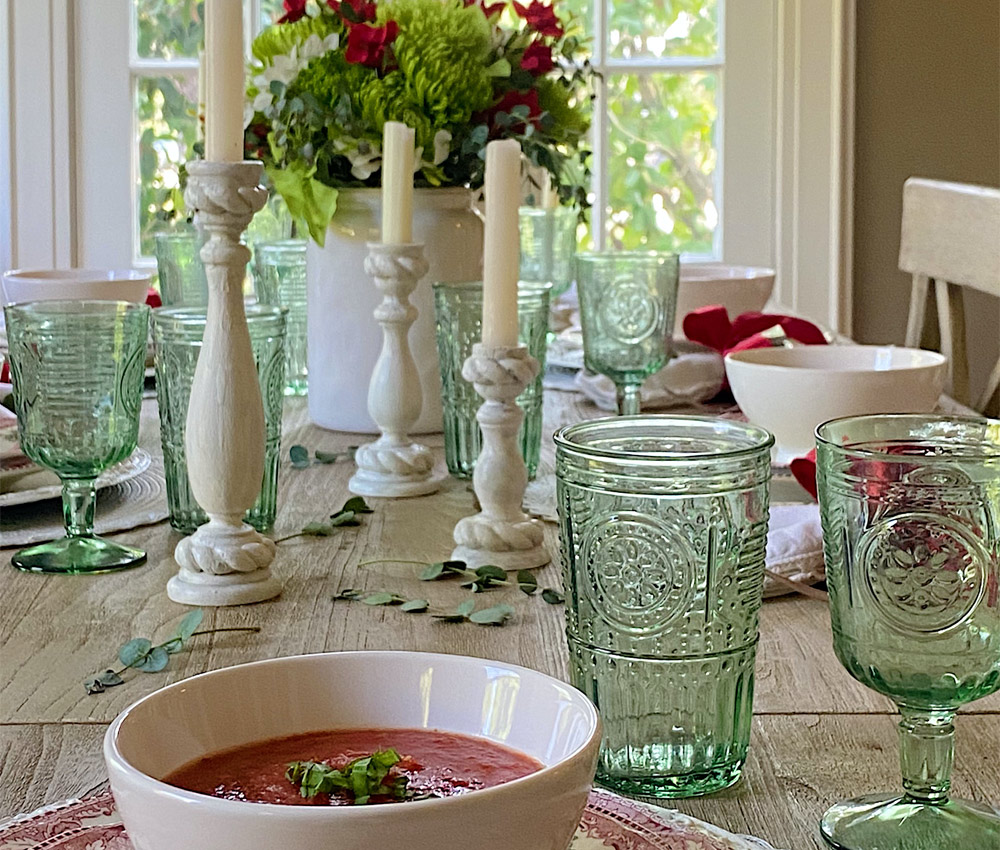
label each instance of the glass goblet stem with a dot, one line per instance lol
(79, 496)
(926, 752)
(627, 396)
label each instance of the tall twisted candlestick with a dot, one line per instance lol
(225, 562)
(394, 465)
(501, 533)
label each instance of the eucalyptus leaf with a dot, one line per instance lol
(329, 457)
(358, 505)
(432, 572)
(415, 606)
(156, 660)
(317, 529)
(344, 518)
(189, 625)
(492, 573)
(495, 616)
(466, 608)
(349, 593)
(382, 597)
(527, 582)
(299, 456)
(98, 684)
(134, 651)
(553, 597)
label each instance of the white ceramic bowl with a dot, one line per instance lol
(74, 284)
(789, 391)
(740, 289)
(521, 708)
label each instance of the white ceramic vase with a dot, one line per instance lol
(344, 338)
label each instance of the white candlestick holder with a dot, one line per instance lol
(501, 533)
(225, 562)
(394, 465)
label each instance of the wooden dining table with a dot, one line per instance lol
(818, 736)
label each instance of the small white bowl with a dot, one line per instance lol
(74, 285)
(789, 391)
(740, 289)
(520, 708)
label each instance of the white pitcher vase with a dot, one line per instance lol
(344, 338)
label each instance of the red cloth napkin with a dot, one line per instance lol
(804, 470)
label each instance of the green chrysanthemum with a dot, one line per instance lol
(442, 51)
(330, 76)
(389, 99)
(277, 40)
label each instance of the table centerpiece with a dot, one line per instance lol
(325, 79)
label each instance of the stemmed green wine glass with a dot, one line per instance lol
(627, 302)
(911, 533)
(77, 369)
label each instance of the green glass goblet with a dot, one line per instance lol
(627, 303)
(77, 369)
(911, 532)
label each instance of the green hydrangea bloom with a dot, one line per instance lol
(329, 76)
(442, 50)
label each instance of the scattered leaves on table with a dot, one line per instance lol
(348, 515)
(299, 456)
(143, 655)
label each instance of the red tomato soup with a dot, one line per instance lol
(441, 764)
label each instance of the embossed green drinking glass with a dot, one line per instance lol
(910, 507)
(77, 369)
(627, 303)
(663, 524)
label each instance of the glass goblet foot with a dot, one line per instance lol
(901, 823)
(78, 555)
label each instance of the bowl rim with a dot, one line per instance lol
(39, 275)
(746, 273)
(114, 758)
(749, 357)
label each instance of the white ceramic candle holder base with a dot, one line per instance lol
(394, 465)
(501, 534)
(225, 562)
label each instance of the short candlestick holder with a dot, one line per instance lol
(394, 465)
(501, 533)
(225, 562)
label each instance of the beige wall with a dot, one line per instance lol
(927, 104)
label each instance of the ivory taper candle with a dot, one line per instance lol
(397, 183)
(224, 87)
(501, 246)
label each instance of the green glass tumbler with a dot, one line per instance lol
(77, 369)
(458, 312)
(280, 277)
(663, 526)
(177, 338)
(910, 507)
(548, 246)
(181, 274)
(627, 304)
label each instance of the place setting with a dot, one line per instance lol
(410, 491)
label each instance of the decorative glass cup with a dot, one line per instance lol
(627, 302)
(77, 369)
(663, 526)
(280, 276)
(182, 276)
(548, 245)
(458, 311)
(177, 336)
(910, 507)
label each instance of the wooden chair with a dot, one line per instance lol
(951, 236)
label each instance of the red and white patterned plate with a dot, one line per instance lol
(609, 823)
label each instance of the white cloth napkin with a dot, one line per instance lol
(794, 546)
(695, 374)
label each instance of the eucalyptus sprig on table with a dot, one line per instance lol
(299, 456)
(142, 655)
(348, 515)
(478, 580)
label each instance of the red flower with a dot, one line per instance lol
(537, 59)
(507, 103)
(294, 9)
(488, 10)
(541, 18)
(153, 298)
(353, 11)
(5, 373)
(366, 44)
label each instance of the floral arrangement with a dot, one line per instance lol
(329, 74)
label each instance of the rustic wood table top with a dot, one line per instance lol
(818, 735)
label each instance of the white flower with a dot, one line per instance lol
(442, 146)
(364, 163)
(285, 68)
